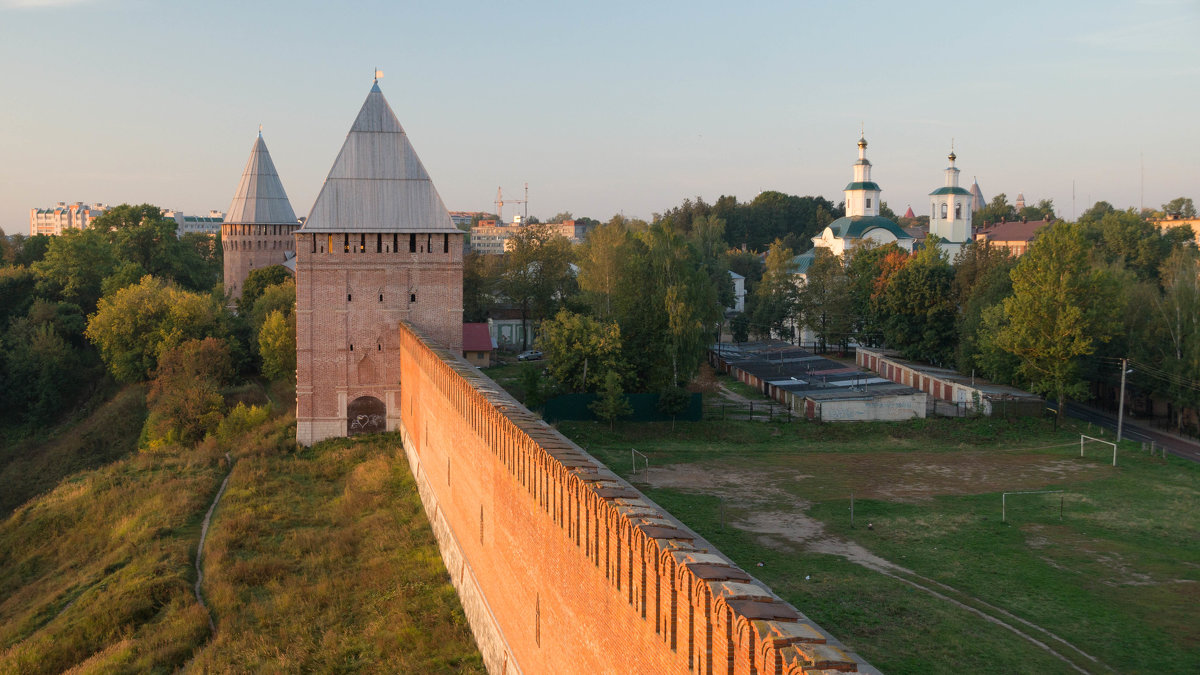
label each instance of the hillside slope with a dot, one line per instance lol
(317, 560)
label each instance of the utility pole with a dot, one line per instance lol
(1121, 402)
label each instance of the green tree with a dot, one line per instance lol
(775, 299)
(612, 403)
(479, 285)
(42, 366)
(257, 281)
(1062, 306)
(1180, 207)
(824, 302)
(672, 401)
(996, 210)
(184, 400)
(739, 327)
(141, 234)
(581, 351)
(920, 307)
(75, 266)
(981, 280)
(603, 258)
(866, 274)
(26, 250)
(280, 297)
(140, 322)
(277, 345)
(536, 273)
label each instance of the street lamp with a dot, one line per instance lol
(1125, 369)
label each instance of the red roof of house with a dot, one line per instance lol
(909, 213)
(476, 338)
(1013, 230)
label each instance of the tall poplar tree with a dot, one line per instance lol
(1062, 306)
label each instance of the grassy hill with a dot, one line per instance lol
(316, 560)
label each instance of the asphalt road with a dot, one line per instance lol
(1134, 432)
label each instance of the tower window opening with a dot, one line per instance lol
(379, 243)
(395, 243)
(381, 297)
(378, 347)
(429, 243)
(351, 347)
(330, 247)
(957, 210)
(314, 243)
(347, 297)
(362, 243)
(412, 243)
(346, 243)
(412, 297)
(943, 210)
(445, 243)
(868, 202)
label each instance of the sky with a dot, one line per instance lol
(603, 107)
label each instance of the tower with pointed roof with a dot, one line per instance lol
(950, 211)
(377, 248)
(259, 229)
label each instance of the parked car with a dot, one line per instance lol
(531, 355)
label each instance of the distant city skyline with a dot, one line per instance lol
(621, 107)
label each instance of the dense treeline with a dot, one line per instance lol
(127, 300)
(644, 299)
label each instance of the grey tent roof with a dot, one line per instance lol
(377, 183)
(977, 200)
(260, 198)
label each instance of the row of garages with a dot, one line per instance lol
(815, 387)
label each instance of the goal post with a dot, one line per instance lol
(1083, 439)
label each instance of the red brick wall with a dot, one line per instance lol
(579, 571)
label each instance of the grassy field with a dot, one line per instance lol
(1116, 580)
(320, 560)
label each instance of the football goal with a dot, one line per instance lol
(1083, 440)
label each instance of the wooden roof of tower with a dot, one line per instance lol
(377, 183)
(260, 199)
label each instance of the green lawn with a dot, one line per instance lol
(1118, 577)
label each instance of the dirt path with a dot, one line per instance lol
(203, 536)
(795, 527)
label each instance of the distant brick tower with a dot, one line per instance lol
(259, 229)
(378, 247)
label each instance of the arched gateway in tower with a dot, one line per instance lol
(378, 247)
(259, 228)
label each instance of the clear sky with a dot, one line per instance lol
(602, 107)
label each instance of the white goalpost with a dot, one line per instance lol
(1083, 439)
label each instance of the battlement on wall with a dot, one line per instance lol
(565, 567)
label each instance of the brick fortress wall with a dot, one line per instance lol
(249, 247)
(564, 567)
(357, 288)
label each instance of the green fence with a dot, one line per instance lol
(645, 408)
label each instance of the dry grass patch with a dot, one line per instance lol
(323, 560)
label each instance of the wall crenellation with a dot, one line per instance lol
(594, 576)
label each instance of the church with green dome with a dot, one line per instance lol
(862, 221)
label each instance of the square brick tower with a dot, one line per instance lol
(378, 247)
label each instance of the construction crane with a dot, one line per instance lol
(500, 202)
